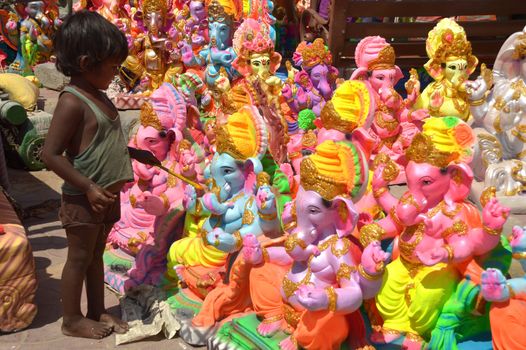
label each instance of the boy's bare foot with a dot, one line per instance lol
(119, 326)
(86, 328)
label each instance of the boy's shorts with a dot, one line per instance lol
(76, 210)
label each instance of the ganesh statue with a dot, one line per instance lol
(196, 24)
(231, 207)
(393, 119)
(151, 208)
(439, 236)
(153, 58)
(219, 52)
(508, 298)
(305, 288)
(450, 64)
(35, 30)
(314, 84)
(257, 62)
(500, 115)
(348, 113)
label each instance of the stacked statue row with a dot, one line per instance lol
(283, 221)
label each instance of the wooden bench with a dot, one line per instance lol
(408, 39)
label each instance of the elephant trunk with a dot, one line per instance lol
(325, 89)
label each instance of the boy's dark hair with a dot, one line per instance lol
(87, 33)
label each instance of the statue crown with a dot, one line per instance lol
(520, 47)
(314, 54)
(217, 13)
(149, 6)
(385, 60)
(148, 117)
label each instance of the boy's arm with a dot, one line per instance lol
(67, 118)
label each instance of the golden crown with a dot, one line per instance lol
(238, 137)
(149, 6)
(217, 13)
(520, 48)
(385, 59)
(326, 186)
(422, 150)
(148, 117)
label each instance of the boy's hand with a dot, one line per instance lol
(143, 156)
(99, 198)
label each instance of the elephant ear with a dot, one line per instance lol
(460, 183)
(251, 168)
(347, 216)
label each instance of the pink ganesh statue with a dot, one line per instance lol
(151, 208)
(393, 119)
(437, 231)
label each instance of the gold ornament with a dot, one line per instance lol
(148, 117)
(344, 271)
(422, 150)
(385, 59)
(333, 298)
(292, 241)
(487, 194)
(520, 48)
(371, 232)
(367, 276)
(289, 287)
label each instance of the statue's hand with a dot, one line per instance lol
(222, 240)
(494, 286)
(374, 258)
(419, 114)
(302, 97)
(494, 215)
(476, 89)
(186, 52)
(312, 298)
(190, 197)
(152, 204)
(252, 251)
(265, 199)
(286, 92)
(378, 177)
(433, 256)
(273, 81)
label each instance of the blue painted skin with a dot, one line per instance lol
(219, 53)
(229, 176)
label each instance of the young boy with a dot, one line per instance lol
(95, 166)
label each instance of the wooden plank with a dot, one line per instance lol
(337, 29)
(444, 8)
(406, 30)
(418, 48)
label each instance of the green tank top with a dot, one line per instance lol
(106, 160)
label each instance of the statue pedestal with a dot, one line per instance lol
(116, 266)
(515, 203)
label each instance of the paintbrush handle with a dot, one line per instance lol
(181, 177)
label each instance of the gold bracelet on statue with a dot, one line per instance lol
(380, 192)
(450, 253)
(477, 102)
(239, 240)
(267, 217)
(512, 293)
(292, 241)
(492, 231)
(409, 199)
(333, 298)
(367, 276)
(264, 252)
